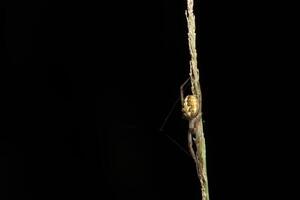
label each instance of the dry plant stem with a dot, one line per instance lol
(196, 125)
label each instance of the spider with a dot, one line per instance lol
(191, 108)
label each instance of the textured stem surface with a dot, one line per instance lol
(196, 90)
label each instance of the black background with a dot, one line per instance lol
(87, 87)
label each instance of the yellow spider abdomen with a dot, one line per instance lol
(191, 106)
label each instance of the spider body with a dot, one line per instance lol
(190, 104)
(190, 107)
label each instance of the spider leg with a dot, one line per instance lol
(182, 91)
(191, 149)
(175, 103)
(190, 143)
